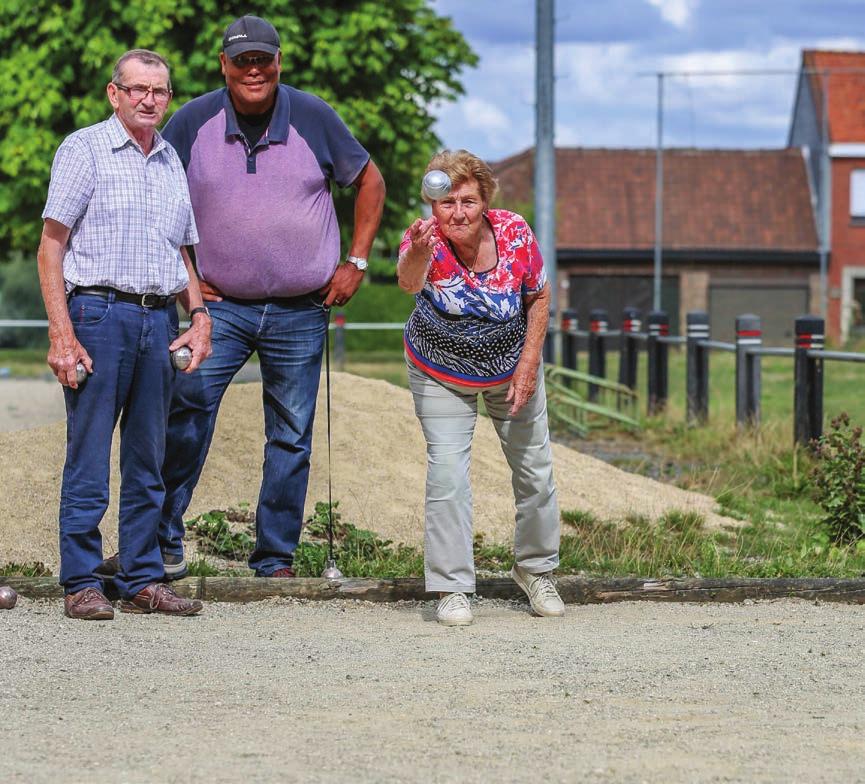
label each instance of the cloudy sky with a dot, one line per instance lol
(603, 47)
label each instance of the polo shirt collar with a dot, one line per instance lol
(277, 131)
(119, 137)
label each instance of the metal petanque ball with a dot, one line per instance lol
(181, 358)
(8, 597)
(436, 185)
(80, 373)
(331, 571)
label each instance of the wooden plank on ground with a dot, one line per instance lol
(574, 590)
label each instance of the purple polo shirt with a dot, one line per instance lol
(265, 215)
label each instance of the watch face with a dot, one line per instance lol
(358, 262)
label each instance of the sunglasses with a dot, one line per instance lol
(248, 61)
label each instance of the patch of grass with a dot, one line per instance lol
(25, 362)
(29, 569)
(674, 545)
(201, 567)
(226, 534)
(677, 545)
(359, 553)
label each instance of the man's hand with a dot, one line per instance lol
(523, 384)
(64, 354)
(342, 286)
(209, 293)
(197, 338)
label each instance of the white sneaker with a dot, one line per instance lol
(541, 590)
(454, 610)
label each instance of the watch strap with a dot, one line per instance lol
(199, 309)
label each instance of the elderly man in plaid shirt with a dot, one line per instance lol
(111, 264)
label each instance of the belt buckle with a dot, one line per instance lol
(149, 300)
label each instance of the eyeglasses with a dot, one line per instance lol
(138, 92)
(248, 61)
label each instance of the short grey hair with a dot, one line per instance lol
(143, 56)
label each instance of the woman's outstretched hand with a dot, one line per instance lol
(421, 235)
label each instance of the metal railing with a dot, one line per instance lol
(808, 355)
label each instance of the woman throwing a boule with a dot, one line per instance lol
(478, 327)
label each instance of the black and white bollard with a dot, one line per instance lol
(808, 380)
(550, 341)
(629, 347)
(697, 379)
(598, 326)
(657, 382)
(569, 338)
(749, 335)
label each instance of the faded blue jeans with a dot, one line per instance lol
(288, 336)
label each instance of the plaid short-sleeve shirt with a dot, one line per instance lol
(129, 213)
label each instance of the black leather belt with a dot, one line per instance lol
(145, 300)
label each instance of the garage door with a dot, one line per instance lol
(777, 306)
(616, 292)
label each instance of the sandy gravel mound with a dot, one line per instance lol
(378, 463)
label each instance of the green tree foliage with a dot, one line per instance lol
(382, 65)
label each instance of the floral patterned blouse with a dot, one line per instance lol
(469, 328)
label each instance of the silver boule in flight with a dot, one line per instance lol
(436, 185)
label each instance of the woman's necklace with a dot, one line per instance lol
(471, 268)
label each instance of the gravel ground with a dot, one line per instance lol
(349, 691)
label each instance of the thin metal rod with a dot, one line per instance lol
(329, 474)
(756, 72)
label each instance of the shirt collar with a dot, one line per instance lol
(277, 131)
(119, 137)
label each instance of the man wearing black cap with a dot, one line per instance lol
(260, 158)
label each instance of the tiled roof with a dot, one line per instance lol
(715, 200)
(846, 92)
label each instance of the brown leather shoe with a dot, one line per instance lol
(286, 571)
(89, 604)
(160, 598)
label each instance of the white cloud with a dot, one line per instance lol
(484, 116)
(605, 92)
(677, 12)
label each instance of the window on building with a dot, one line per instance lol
(857, 193)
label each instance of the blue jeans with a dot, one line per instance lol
(289, 338)
(131, 381)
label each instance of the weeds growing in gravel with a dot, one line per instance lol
(30, 569)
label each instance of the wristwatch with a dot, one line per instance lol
(358, 262)
(199, 309)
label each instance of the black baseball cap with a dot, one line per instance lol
(250, 34)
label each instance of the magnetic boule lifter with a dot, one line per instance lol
(331, 571)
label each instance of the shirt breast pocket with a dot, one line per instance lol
(174, 215)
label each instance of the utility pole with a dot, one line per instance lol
(825, 196)
(545, 152)
(659, 199)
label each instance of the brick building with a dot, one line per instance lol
(833, 132)
(741, 229)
